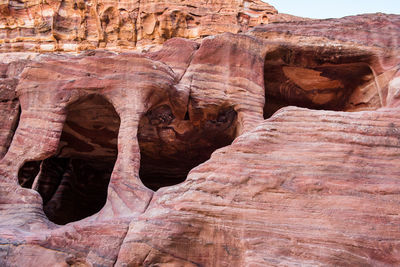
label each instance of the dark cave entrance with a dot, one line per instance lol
(329, 78)
(73, 183)
(171, 147)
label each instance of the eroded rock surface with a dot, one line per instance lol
(69, 25)
(311, 188)
(189, 155)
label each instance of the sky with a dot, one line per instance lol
(320, 9)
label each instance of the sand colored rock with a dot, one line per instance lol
(67, 25)
(188, 154)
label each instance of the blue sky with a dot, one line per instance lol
(334, 8)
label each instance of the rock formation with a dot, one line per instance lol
(268, 145)
(75, 25)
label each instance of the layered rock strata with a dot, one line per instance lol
(46, 26)
(316, 184)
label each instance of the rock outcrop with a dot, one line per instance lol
(276, 146)
(311, 188)
(70, 25)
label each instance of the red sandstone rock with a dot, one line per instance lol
(9, 111)
(303, 188)
(347, 59)
(98, 129)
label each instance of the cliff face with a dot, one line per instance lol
(69, 25)
(276, 146)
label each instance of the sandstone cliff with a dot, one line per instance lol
(75, 25)
(276, 146)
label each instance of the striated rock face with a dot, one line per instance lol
(66, 25)
(339, 210)
(189, 155)
(340, 64)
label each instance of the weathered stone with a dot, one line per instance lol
(303, 188)
(67, 25)
(116, 159)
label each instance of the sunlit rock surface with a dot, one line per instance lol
(69, 25)
(278, 146)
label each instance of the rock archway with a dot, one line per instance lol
(73, 183)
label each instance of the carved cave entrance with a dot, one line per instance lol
(331, 78)
(73, 183)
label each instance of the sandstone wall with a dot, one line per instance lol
(278, 146)
(69, 25)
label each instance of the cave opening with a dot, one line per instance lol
(73, 183)
(171, 147)
(332, 78)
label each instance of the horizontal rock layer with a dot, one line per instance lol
(311, 188)
(67, 25)
(89, 143)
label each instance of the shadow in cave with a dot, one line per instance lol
(331, 79)
(171, 147)
(73, 183)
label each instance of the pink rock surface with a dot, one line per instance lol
(302, 188)
(190, 156)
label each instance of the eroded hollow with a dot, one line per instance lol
(319, 78)
(73, 183)
(171, 147)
